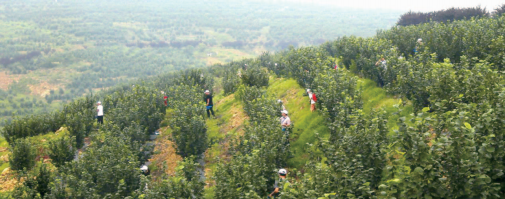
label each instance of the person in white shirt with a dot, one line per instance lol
(312, 101)
(285, 121)
(99, 110)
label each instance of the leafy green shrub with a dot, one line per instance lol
(108, 167)
(36, 184)
(255, 76)
(189, 128)
(231, 81)
(22, 155)
(248, 93)
(186, 183)
(61, 151)
(80, 111)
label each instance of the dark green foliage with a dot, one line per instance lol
(61, 151)
(258, 154)
(255, 76)
(231, 82)
(499, 11)
(451, 14)
(187, 122)
(80, 114)
(108, 167)
(36, 185)
(142, 105)
(449, 148)
(496, 54)
(186, 183)
(195, 78)
(22, 155)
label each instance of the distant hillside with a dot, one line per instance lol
(69, 49)
(395, 118)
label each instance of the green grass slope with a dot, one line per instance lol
(228, 123)
(376, 98)
(231, 118)
(306, 124)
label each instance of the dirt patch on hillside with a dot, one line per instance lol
(212, 60)
(236, 121)
(165, 157)
(43, 88)
(8, 180)
(6, 79)
(77, 47)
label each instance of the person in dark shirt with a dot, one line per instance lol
(279, 184)
(208, 101)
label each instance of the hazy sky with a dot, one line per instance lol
(414, 5)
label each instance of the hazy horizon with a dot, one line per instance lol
(423, 6)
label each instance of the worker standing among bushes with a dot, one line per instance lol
(99, 110)
(165, 98)
(208, 101)
(285, 120)
(280, 183)
(313, 100)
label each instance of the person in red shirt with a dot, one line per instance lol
(165, 98)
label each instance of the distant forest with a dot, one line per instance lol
(451, 14)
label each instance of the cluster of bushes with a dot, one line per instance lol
(262, 149)
(451, 14)
(111, 164)
(449, 148)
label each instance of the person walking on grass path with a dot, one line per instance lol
(285, 121)
(313, 100)
(99, 110)
(208, 101)
(280, 184)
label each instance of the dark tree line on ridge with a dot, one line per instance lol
(451, 14)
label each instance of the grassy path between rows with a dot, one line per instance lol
(231, 118)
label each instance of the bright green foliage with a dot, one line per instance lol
(496, 54)
(248, 93)
(187, 122)
(231, 81)
(244, 174)
(413, 80)
(471, 38)
(61, 151)
(142, 105)
(80, 114)
(262, 150)
(36, 185)
(355, 162)
(449, 148)
(186, 183)
(195, 78)
(22, 155)
(108, 167)
(307, 124)
(255, 76)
